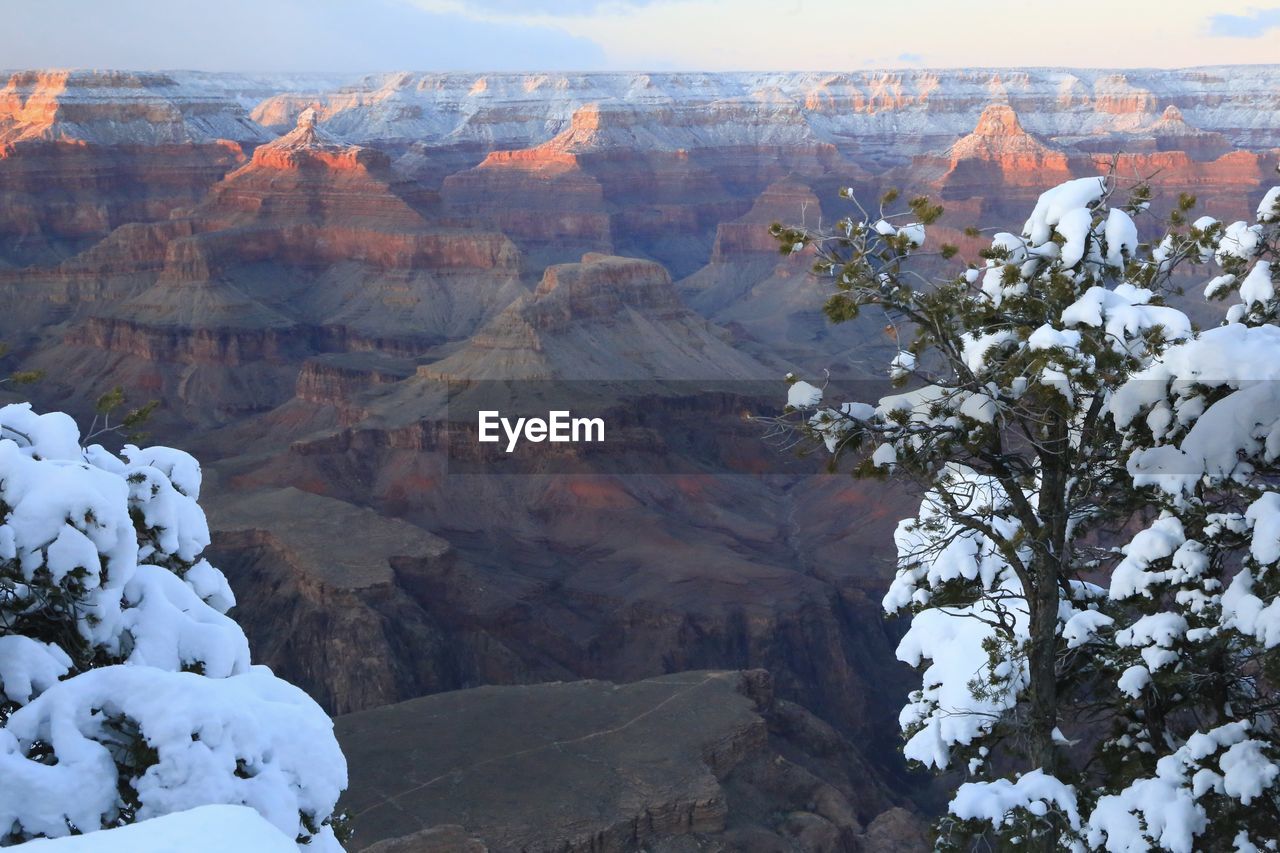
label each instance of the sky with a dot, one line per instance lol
(632, 35)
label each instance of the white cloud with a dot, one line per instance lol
(277, 35)
(498, 35)
(847, 34)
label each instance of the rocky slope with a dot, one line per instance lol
(768, 301)
(117, 108)
(646, 560)
(345, 602)
(82, 152)
(700, 760)
(314, 245)
(609, 181)
(880, 114)
(604, 318)
(998, 154)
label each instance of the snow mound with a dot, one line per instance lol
(208, 829)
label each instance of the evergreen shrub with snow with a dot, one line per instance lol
(1093, 573)
(126, 692)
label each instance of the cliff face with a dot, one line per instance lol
(117, 108)
(346, 602)
(59, 197)
(314, 245)
(82, 152)
(604, 318)
(883, 115)
(607, 182)
(679, 762)
(544, 199)
(999, 153)
(789, 200)
(337, 380)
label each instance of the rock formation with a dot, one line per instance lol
(789, 200)
(82, 152)
(880, 116)
(1000, 143)
(605, 318)
(768, 301)
(611, 171)
(1218, 185)
(346, 602)
(696, 757)
(1173, 133)
(312, 246)
(998, 161)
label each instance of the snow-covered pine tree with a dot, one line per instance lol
(1097, 696)
(126, 693)
(1194, 752)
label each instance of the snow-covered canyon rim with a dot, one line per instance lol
(915, 108)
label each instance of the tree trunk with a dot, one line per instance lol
(1042, 663)
(1043, 692)
(1047, 572)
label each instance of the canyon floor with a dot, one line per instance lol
(672, 641)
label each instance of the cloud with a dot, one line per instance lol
(596, 35)
(1252, 25)
(281, 35)
(897, 60)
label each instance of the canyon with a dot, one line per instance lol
(321, 278)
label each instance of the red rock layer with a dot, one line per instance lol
(314, 246)
(1227, 187)
(82, 152)
(58, 197)
(790, 201)
(541, 197)
(600, 185)
(999, 152)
